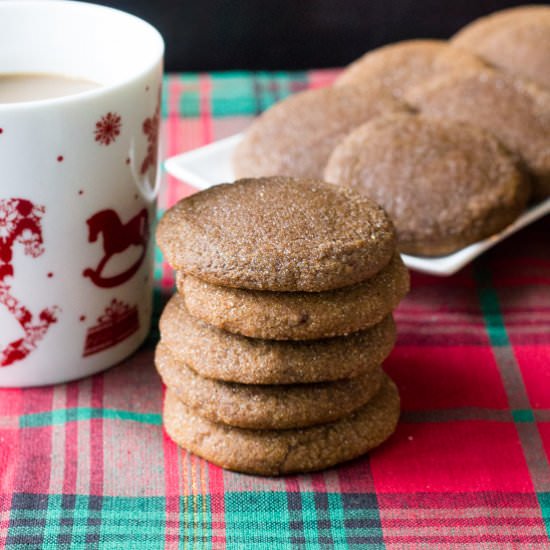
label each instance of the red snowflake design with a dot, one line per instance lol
(151, 130)
(107, 128)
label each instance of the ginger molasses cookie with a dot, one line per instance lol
(446, 184)
(265, 407)
(405, 64)
(279, 234)
(215, 353)
(275, 452)
(515, 111)
(515, 40)
(298, 315)
(295, 137)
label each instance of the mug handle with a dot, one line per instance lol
(147, 190)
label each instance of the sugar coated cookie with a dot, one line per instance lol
(219, 354)
(515, 111)
(515, 40)
(275, 452)
(280, 234)
(295, 137)
(446, 184)
(265, 407)
(403, 65)
(298, 315)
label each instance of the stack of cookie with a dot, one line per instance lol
(271, 349)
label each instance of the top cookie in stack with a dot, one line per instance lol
(278, 234)
(271, 351)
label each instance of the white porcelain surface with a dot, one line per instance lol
(72, 158)
(211, 165)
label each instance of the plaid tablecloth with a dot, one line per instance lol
(87, 465)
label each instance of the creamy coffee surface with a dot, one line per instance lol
(17, 87)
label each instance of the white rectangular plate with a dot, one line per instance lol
(211, 165)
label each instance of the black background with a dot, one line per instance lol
(205, 35)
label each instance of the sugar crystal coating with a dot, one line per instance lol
(517, 112)
(515, 40)
(276, 452)
(298, 315)
(218, 354)
(445, 183)
(280, 234)
(405, 64)
(265, 406)
(296, 135)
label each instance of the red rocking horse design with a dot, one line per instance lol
(117, 237)
(20, 223)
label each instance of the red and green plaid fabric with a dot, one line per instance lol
(87, 465)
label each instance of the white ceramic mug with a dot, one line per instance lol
(78, 178)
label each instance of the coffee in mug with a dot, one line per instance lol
(17, 87)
